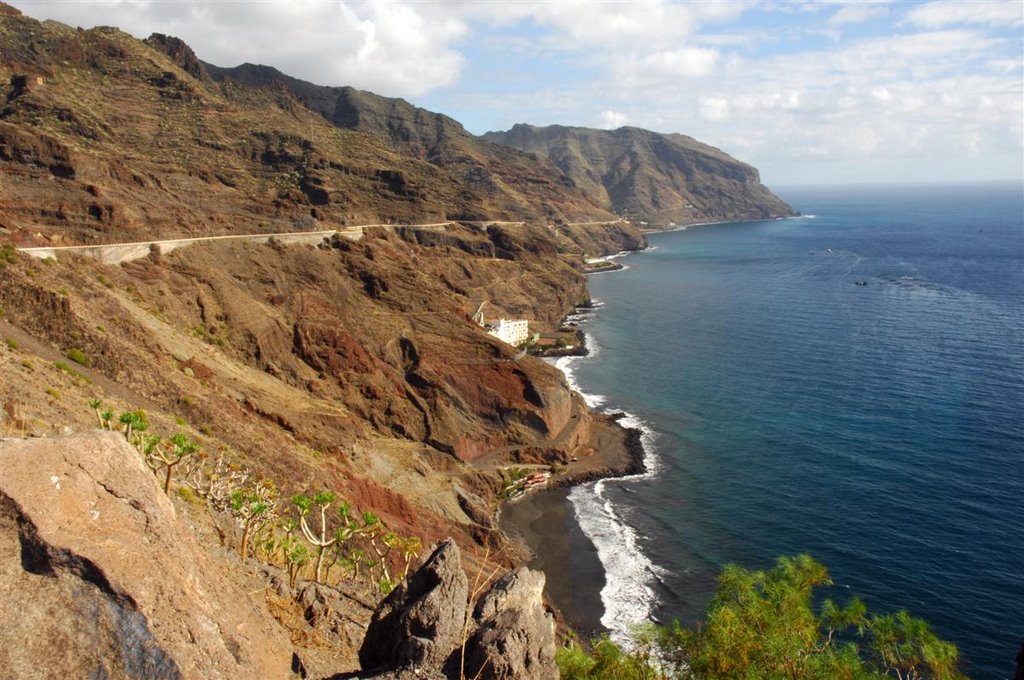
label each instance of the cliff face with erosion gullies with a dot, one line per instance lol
(105, 137)
(499, 178)
(324, 358)
(650, 177)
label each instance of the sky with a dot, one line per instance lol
(806, 91)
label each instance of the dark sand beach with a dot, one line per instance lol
(545, 522)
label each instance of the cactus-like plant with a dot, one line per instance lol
(95, 405)
(297, 556)
(135, 422)
(322, 540)
(177, 448)
(253, 508)
(410, 547)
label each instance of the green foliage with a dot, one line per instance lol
(11, 343)
(8, 255)
(762, 624)
(75, 376)
(906, 646)
(79, 357)
(53, 392)
(254, 507)
(607, 661)
(176, 448)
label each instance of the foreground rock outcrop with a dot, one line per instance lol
(98, 579)
(423, 628)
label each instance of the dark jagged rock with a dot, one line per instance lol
(420, 630)
(180, 53)
(515, 635)
(421, 621)
(648, 176)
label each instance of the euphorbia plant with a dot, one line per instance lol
(321, 539)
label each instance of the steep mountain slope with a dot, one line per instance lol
(104, 137)
(348, 365)
(651, 177)
(499, 177)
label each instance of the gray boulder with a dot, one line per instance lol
(515, 635)
(420, 622)
(420, 630)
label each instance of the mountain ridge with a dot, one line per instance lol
(477, 164)
(657, 178)
(632, 172)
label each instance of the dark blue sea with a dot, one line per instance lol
(787, 409)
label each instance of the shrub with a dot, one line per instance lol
(762, 624)
(8, 255)
(79, 357)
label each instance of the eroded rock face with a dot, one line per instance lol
(420, 630)
(97, 579)
(421, 621)
(515, 635)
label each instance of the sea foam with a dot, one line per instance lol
(628, 596)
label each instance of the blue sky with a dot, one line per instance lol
(808, 92)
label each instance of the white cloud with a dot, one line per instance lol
(392, 47)
(859, 13)
(579, 23)
(714, 108)
(657, 67)
(611, 120)
(944, 13)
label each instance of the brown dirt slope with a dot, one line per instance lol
(350, 366)
(107, 138)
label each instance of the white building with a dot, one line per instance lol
(512, 331)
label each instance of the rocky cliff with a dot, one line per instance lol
(99, 579)
(353, 366)
(102, 576)
(651, 177)
(494, 178)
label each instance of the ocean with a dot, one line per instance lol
(849, 383)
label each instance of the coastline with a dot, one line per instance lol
(545, 522)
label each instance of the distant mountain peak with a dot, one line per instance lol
(649, 176)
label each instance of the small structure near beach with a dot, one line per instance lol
(511, 331)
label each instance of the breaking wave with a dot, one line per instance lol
(628, 596)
